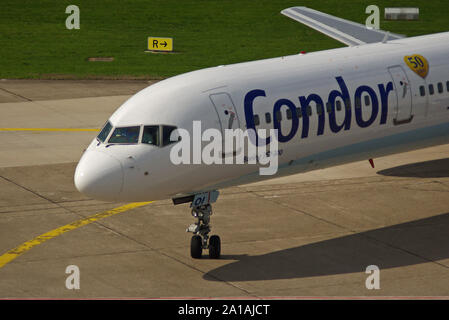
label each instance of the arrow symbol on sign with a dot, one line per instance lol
(164, 43)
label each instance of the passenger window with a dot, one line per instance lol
(447, 86)
(367, 101)
(289, 113)
(328, 107)
(440, 87)
(104, 132)
(298, 112)
(256, 120)
(166, 131)
(319, 109)
(268, 117)
(309, 110)
(125, 135)
(422, 91)
(151, 135)
(431, 90)
(338, 103)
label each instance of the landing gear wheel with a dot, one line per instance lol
(196, 247)
(202, 212)
(214, 247)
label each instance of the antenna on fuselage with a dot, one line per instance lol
(387, 35)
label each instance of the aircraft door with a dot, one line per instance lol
(403, 90)
(228, 118)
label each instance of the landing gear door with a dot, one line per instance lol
(403, 90)
(228, 118)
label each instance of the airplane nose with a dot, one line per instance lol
(99, 176)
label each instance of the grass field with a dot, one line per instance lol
(34, 42)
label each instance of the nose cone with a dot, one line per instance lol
(99, 176)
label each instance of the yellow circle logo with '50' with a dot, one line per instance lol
(418, 64)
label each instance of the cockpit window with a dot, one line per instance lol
(104, 132)
(125, 135)
(151, 135)
(166, 131)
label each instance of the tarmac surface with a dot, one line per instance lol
(309, 235)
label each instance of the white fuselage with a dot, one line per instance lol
(355, 103)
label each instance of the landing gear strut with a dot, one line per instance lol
(200, 240)
(201, 210)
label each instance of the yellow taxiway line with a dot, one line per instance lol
(24, 247)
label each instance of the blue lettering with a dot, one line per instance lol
(305, 105)
(344, 95)
(277, 123)
(305, 102)
(249, 112)
(358, 106)
(384, 100)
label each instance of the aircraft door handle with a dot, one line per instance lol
(231, 118)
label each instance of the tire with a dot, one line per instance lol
(214, 247)
(196, 247)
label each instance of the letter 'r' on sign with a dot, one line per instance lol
(160, 44)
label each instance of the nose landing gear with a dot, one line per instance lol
(202, 210)
(200, 240)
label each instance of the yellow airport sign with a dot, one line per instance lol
(160, 44)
